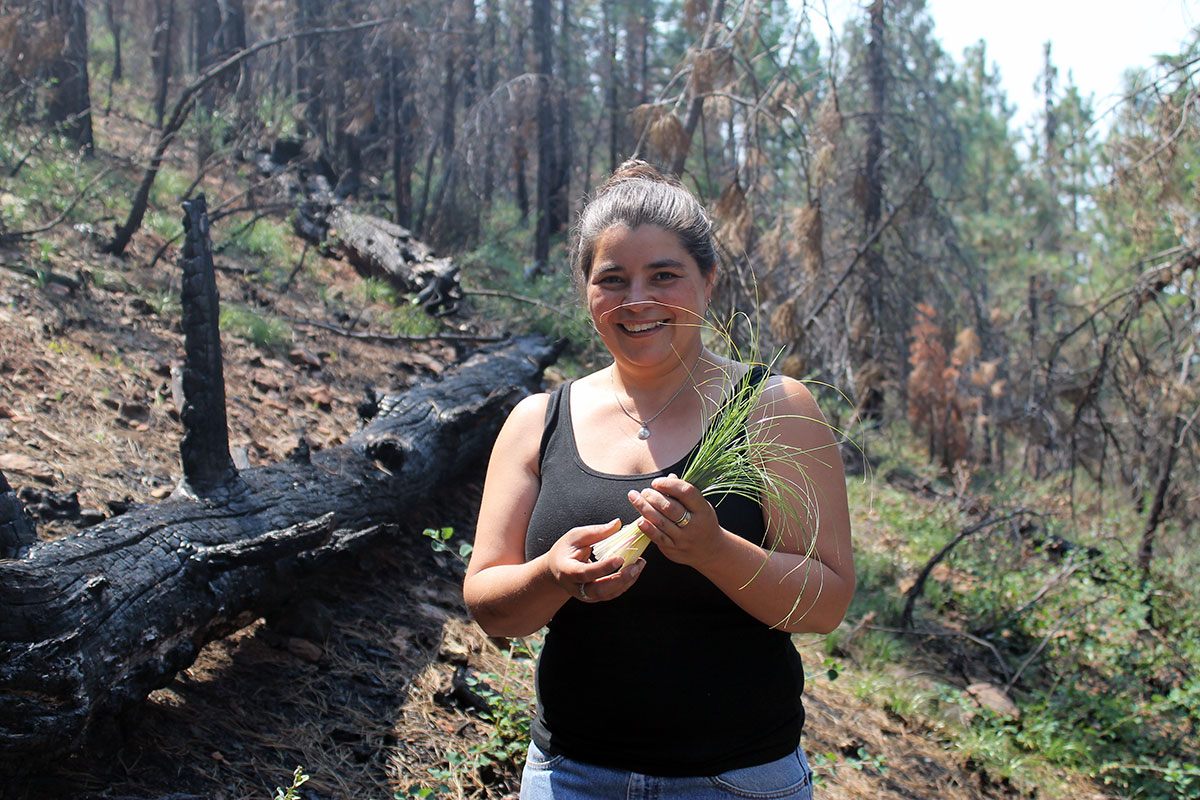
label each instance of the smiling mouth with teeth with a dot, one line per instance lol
(635, 327)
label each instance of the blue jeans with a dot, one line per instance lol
(560, 778)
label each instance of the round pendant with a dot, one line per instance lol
(644, 433)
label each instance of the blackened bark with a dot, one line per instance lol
(545, 134)
(491, 70)
(612, 104)
(17, 532)
(870, 396)
(560, 201)
(160, 55)
(91, 623)
(1158, 506)
(113, 13)
(206, 23)
(400, 103)
(207, 466)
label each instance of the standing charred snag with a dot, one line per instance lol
(17, 533)
(204, 452)
(869, 399)
(90, 624)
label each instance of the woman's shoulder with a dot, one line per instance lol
(530, 412)
(790, 404)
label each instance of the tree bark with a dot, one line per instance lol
(1146, 545)
(114, 11)
(715, 12)
(207, 465)
(381, 249)
(17, 532)
(560, 190)
(71, 101)
(400, 105)
(870, 395)
(160, 56)
(545, 134)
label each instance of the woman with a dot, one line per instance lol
(674, 677)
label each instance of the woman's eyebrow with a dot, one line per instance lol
(613, 266)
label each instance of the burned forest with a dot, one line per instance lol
(273, 273)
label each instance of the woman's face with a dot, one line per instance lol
(646, 295)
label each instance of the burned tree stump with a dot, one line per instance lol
(90, 624)
(207, 465)
(17, 533)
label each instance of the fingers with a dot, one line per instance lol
(662, 508)
(687, 494)
(587, 535)
(570, 563)
(610, 586)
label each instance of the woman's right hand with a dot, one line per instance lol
(570, 565)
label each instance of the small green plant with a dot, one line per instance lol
(877, 649)
(417, 792)
(293, 791)
(859, 758)
(440, 542)
(264, 242)
(169, 186)
(410, 320)
(263, 331)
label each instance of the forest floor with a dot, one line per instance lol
(365, 698)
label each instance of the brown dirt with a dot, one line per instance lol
(364, 702)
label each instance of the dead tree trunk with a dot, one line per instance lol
(91, 623)
(381, 249)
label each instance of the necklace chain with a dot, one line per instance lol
(644, 430)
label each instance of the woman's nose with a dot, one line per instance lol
(640, 293)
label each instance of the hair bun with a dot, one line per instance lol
(634, 169)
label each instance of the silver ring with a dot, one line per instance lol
(684, 520)
(583, 594)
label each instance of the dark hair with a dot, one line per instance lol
(638, 194)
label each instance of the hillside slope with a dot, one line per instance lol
(373, 685)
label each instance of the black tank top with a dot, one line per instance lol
(671, 678)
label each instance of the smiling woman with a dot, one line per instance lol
(700, 715)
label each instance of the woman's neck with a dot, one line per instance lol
(650, 383)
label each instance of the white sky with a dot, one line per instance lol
(1095, 41)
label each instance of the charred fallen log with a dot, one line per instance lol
(378, 248)
(91, 623)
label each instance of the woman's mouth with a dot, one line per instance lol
(642, 327)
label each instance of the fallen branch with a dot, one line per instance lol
(397, 337)
(918, 586)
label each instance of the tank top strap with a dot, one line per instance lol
(554, 414)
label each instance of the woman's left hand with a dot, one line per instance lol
(677, 518)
